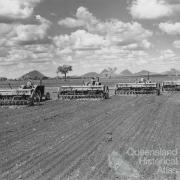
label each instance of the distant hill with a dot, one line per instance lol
(91, 74)
(144, 73)
(172, 72)
(126, 72)
(34, 75)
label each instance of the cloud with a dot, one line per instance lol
(93, 52)
(26, 33)
(119, 32)
(17, 34)
(81, 40)
(83, 18)
(145, 44)
(115, 31)
(5, 29)
(17, 9)
(167, 54)
(71, 23)
(97, 44)
(170, 28)
(150, 9)
(176, 44)
(28, 54)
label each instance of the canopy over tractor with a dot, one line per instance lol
(25, 95)
(90, 90)
(171, 86)
(137, 88)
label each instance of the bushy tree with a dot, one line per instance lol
(64, 70)
(111, 71)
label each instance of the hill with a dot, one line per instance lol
(144, 73)
(172, 72)
(90, 74)
(34, 75)
(126, 72)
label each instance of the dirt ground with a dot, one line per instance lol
(92, 140)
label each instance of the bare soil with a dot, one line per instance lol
(89, 140)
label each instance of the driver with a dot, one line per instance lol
(29, 84)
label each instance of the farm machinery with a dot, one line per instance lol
(171, 86)
(88, 91)
(139, 88)
(84, 92)
(25, 95)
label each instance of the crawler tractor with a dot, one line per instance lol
(23, 95)
(137, 88)
(84, 92)
(171, 86)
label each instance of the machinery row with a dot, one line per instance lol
(95, 90)
(30, 94)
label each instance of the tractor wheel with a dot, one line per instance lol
(158, 92)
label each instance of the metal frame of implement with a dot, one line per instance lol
(171, 86)
(84, 92)
(137, 88)
(21, 96)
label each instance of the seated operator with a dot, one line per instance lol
(142, 80)
(29, 85)
(92, 82)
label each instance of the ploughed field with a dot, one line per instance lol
(90, 140)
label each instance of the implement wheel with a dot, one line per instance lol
(48, 96)
(37, 97)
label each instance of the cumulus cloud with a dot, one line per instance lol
(94, 44)
(94, 52)
(83, 18)
(98, 43)
(119, 32)
(145, 44)
(28, 54)
(71, 23)
(176, 44)
(13, 34)
(5, 29)
(17, 9)
(150, 9)
(25, 33)
(167, 54)
(170, 28)
(115, 31)
(80, 40)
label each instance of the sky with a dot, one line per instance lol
(89, 35)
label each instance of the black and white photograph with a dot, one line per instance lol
(89, 89)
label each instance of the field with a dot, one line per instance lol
(91, 140)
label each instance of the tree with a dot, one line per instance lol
(111, 71)
(64, 70)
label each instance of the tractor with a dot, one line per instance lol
(24, 95)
